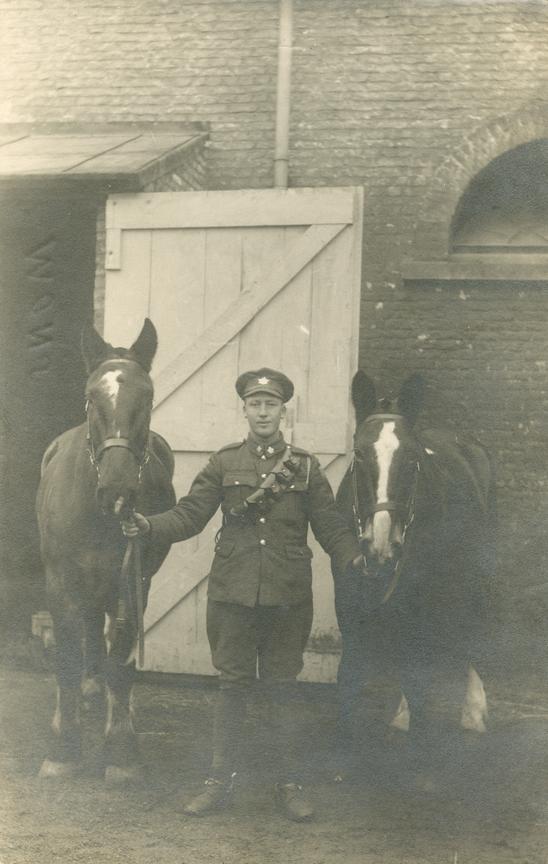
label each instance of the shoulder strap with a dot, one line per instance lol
(232, 446)
(300, 451)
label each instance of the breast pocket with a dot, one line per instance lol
(295, 499)
(237, 485)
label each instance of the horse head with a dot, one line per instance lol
(118, 403)
(385, 468)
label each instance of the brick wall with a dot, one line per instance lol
(410, 99)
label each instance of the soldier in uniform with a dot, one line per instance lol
(259, 611)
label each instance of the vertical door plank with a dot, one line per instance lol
(332, 274)
(222, 285)
(295, 339)
(260, 340)
(177, 302)
(128, 290)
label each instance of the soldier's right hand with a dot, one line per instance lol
(137, 526)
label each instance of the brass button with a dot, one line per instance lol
(236, 482)
(262, 541)
(263, 476)
(262, 519)
(263, 456)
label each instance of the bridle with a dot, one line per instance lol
(405, 508)
(95, 453)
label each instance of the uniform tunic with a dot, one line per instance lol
(265, 560)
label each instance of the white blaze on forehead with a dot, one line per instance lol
(110, 383)
(385, 446)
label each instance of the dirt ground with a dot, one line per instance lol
(489, 806)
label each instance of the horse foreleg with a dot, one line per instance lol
(423, 739)
(94, 656)
(64, 755)
(354, 671)
(121, 752)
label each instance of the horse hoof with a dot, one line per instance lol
(474, 725)
(50, 770)
(395, 737)
(117, 776)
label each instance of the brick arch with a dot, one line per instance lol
(453, 174)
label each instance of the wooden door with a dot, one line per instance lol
(234, 281)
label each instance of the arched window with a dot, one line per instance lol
(505, 207)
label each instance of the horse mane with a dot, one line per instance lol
(458, 467)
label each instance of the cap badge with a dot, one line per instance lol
(263, 381)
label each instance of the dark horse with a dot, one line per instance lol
(92, 476)
(422, 505)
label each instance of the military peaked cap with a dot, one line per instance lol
(265, 381)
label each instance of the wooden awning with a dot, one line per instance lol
(123, 159)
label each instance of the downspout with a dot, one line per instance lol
(285, 49)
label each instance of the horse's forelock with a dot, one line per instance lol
(124, 355)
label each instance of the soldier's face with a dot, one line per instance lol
(264, 413)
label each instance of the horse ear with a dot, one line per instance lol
(364, 395)
(411, 396)
(94, 347)
(145, 345)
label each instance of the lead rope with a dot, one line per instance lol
(356, 504)
(133, 555)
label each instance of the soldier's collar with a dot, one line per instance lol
(273, 448)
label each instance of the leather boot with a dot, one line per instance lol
(291, 800)
(227, 731)
(216, 795)
(283, 719)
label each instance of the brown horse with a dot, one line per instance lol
(92, 476)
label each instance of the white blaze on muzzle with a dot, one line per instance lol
(380, 543)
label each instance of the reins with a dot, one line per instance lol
(133, 555)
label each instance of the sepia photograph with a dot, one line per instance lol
(273, 432)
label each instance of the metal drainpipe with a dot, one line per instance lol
(285, 49)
